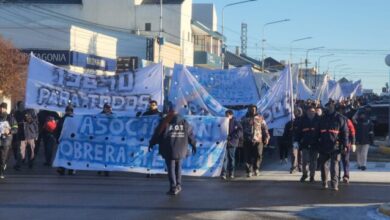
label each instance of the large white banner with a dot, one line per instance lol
(191, 98)
(52, 88)
(277, 105)
(230, 87)
(119, 143)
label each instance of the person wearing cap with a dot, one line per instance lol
(8, 127)
(173, 135)
(68, 114)
(307, 139)
(255, 134)
(333, 138)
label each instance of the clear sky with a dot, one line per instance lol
(356, 31)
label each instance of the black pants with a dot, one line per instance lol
(253, 153)
(334, 159)
(283, 148)
(309, 161)
(3, 157)
(174, 173)
(49, 141)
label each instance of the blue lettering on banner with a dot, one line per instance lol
(99, 142)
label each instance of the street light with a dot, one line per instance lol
(332, 61)
(318, 67)
(306, 60)
(334, 70)
(223, 11)
(387, 61)
(263, 39)
(300, 39)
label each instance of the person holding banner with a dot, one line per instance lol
(107, 110)
(8, 127)
(235, 132)
(153, 109)
(68, 114)
(173, 135)
(255, 132)
(333, 138)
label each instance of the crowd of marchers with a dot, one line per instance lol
(318, 138)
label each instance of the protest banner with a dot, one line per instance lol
(229, 87)
(52, 88)
(119, 143)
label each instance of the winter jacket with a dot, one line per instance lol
(307, 132)
(173, 134)
(364, 132)
(6, 140)
(351, 132)
(290, 130)
(152, 112)
(27, 125)
(255, 129)
(333, 133)
(235, 133)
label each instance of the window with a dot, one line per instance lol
(148, 26)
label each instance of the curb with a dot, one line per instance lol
(384, 150)
(385, 209)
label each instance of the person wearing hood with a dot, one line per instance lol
(333, 139)
(8, 127)
(255, 134)
(173, 135)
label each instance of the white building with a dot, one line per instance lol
(120, 19)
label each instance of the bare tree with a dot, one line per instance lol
(13, 71)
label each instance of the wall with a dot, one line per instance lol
(205, 14)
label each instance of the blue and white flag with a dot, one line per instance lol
(53, 88)
(190, 97)
(277, 105)
(116, 143)
(229, 87)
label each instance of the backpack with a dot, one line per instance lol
(50, 125)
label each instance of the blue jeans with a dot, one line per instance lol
(228, 162)
(174, 173)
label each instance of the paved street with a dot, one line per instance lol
(42, 194)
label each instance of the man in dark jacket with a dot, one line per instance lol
(153, 109)
(8, 127)
(27, 134)
(307, 139)
(68, 114)
(289, 133)
(333, 136)
(255, 132)
(173, 134)
(235, 132)
(364, 138)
